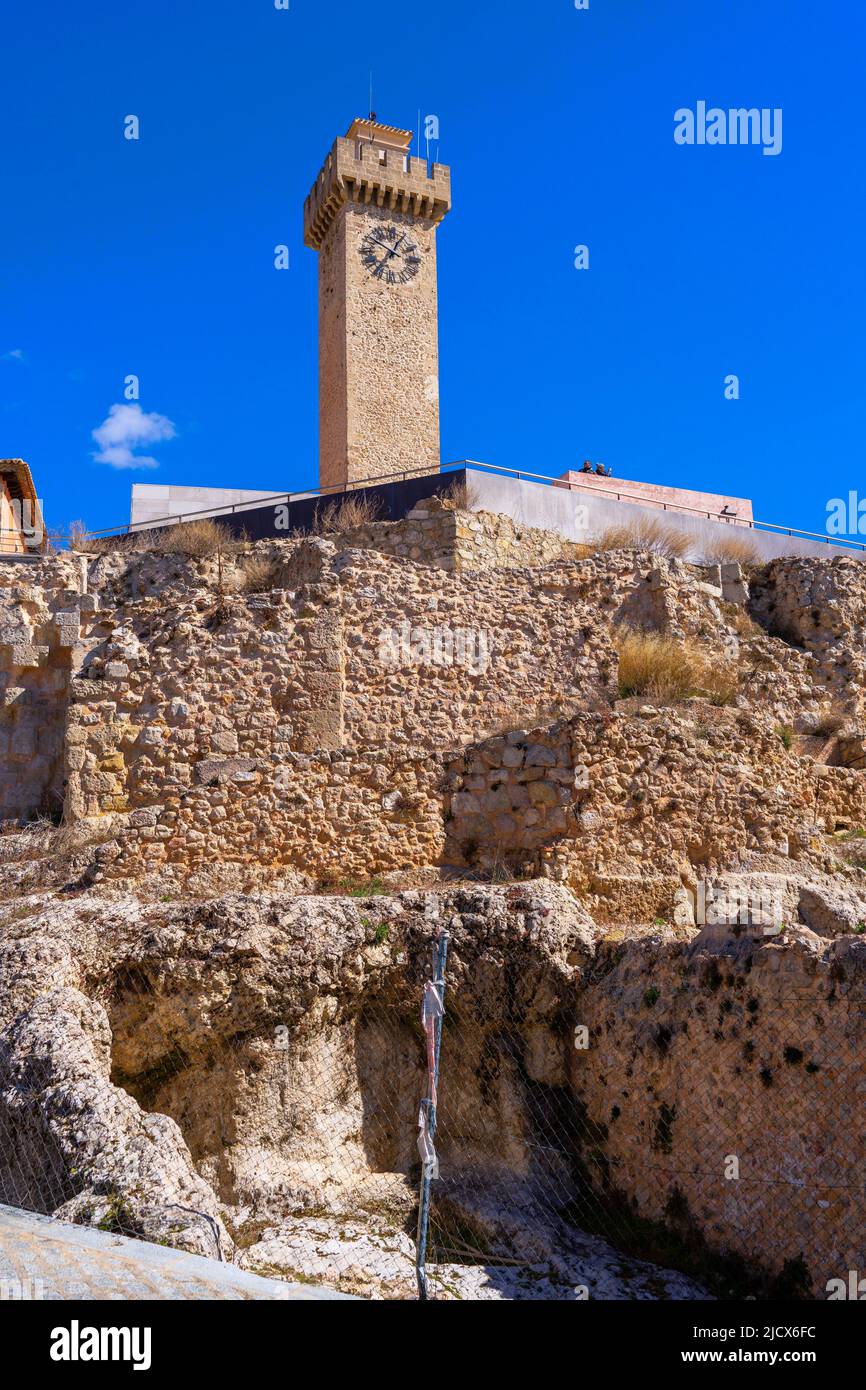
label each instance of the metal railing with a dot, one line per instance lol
(521, 475)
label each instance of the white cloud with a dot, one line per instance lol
(14, 355)
(124, 429)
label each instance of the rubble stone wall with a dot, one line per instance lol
(629, 808)
(308, 721)
(821, 607)
(244, 727)
(438, 532)
(42, 610)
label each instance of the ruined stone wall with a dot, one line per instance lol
(630, 808)
(335, 818)
(442, 532)
(193, 718)
(430, 662)
(194, 702)
(821, 607)
(42, 614)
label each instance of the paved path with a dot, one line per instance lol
(42, 1258)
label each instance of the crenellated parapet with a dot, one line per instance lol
(378, 173)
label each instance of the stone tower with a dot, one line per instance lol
(372, 216)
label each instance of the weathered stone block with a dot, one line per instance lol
(542, 794)
(23, 656)
(224, 742)
(222, 769)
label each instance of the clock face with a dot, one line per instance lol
(390, 255)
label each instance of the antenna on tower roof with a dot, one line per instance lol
(372, 112)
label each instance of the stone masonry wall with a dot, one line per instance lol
(186, 706)
(42, 613)
(304, 726)
(439, 532)
(821, 607)
(631, 808)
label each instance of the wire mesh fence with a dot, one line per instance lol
(704, 1141)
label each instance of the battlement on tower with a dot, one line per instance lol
(375, 172)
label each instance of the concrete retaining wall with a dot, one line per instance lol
(576, 515)
(580, 516)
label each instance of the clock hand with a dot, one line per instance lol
(392, 251)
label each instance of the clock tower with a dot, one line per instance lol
(372, 216)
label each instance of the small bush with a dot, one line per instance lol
(259, 574)
(744, 625)
(664, 669)
(786, 734)
(198, 540)
(462, 494)
(829, 722)
(81, 539)
(730, 549)
(79, 536)
(350, 512)
(648, 535)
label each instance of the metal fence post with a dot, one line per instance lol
(432, 1011)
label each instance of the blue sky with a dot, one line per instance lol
(155, 257)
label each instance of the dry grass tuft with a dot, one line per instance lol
(461, 493)
(350, 512)
(720, 682)
(79, 536)
(82, 539)
(741, 621)
(43, 839)
(730, 549)
(830, 721)
(198, 540)
(648, 535)
(664, 669)
(260, 574)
